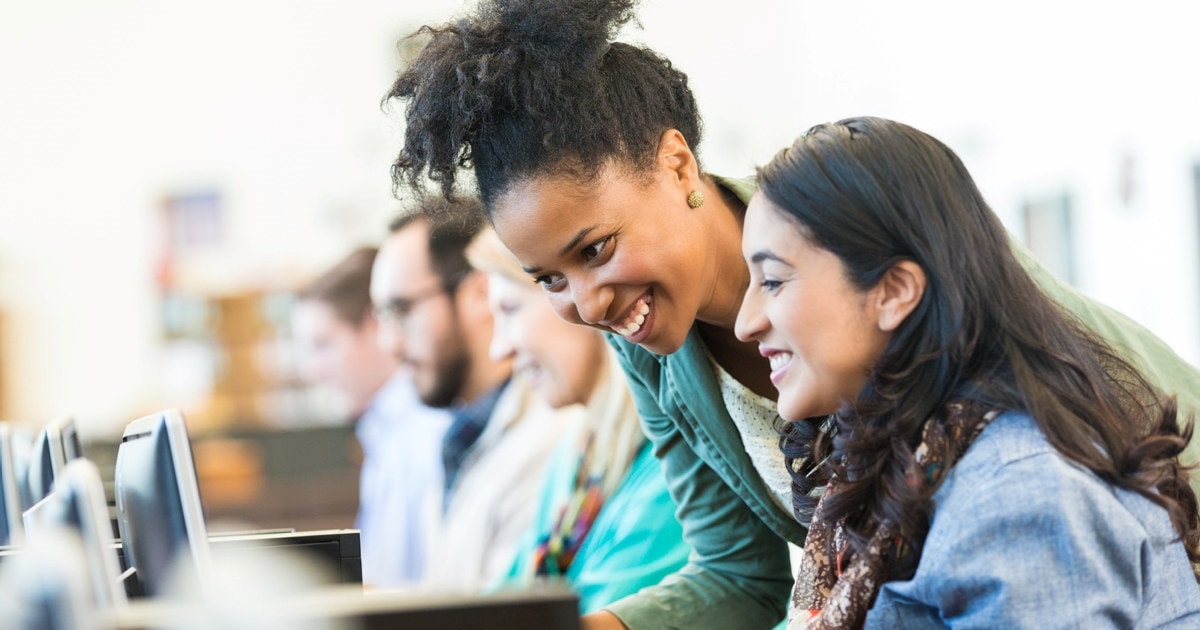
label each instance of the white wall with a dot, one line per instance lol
(1037, 98)
(105, 107)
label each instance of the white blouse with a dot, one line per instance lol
(756, 418)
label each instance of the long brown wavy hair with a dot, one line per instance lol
(874, 192)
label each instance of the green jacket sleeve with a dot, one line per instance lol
(739, 573)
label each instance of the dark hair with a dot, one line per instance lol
(874, 192)
(346, 286)
(520, 88)
(452, 225)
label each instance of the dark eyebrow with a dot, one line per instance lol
(567, 248)
(765, 255)
(575, 241)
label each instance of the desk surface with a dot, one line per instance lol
(550, 608)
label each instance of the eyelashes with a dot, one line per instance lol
(589, 253)
(595, 250)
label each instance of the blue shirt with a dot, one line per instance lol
(400, 483)
(1023, 538)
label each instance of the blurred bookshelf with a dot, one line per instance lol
(270, 450)
(232, 358)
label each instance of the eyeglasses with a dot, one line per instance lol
(398, 309)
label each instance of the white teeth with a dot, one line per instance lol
(779, 360)
(632, 325)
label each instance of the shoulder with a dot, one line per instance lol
(1018, 468)
(1013, 477)
(1020, 535)
(743, 187)
(1009, 439)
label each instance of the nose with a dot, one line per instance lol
(592, 300)
(751, 322)
(501, 347)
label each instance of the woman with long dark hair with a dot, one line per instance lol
(584, 151)
(992, 462)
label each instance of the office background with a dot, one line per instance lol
(164, 161)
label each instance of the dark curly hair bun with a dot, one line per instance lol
(519, 88)
(553, 32)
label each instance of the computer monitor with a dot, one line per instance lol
(77, 503)
(12, 531)
(45, 585)
(159, 513)
(55, 445)
(68, 437)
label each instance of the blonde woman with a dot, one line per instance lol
(605, 521)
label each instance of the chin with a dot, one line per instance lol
(555, 399)
(793, 411)
(663, 344)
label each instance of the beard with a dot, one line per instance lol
(449, 375)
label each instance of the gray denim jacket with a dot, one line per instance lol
(1023, 538)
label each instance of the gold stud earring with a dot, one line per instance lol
(695, 199)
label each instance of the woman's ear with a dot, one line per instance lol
(676, 156)
(900, 291)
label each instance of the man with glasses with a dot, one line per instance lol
(434, 316)
(400, 482)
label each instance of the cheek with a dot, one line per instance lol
(387, 339)
(539, 338)
(317, 366)
(429, 327)
(414, 341)
(790, 318)
(657, 265)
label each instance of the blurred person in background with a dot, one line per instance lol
(400, 484)
(605, 521)
(435, 320)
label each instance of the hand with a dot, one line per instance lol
(602, 620)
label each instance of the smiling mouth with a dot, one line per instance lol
(637, 317)
(780, 359)
(779, 365)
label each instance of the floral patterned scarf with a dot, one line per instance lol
(829, 595)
